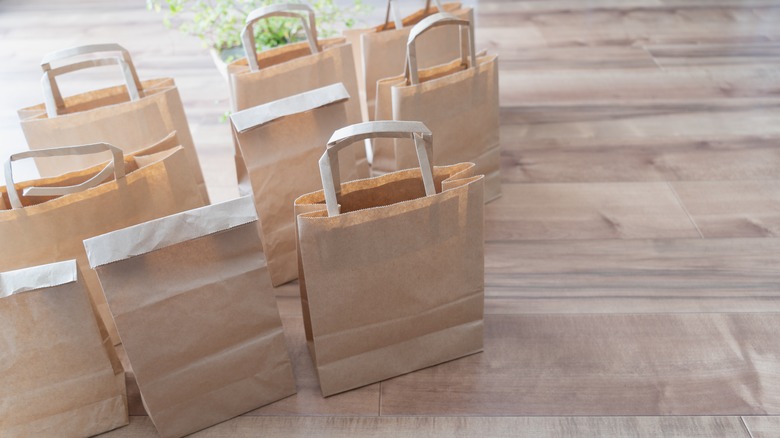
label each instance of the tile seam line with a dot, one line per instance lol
(744, 424)
(684, 208)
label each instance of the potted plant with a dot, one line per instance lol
(218, 23)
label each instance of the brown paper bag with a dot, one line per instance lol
(457, 101)
(380, 52)
(50, 221)
(263, 77)
(130, 117)
(57, 376)
(280, 143)
(193, 302)
(392, 271)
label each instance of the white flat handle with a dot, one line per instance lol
(392, 5)
(467, 45)
(116, 166)
(423, 142)
(292, 10)
(51, 91)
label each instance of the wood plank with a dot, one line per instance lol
(521, 124)
(586, 211)
(446, 427)
(689, 158)
(762, 427)
(736, 55)
(522, 86)
(732, 208)
(604, 364)
(678, 24)
(516, 58)
(633, 276)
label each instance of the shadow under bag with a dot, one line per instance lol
(391, 267)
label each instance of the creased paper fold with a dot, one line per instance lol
(167, 231)
(262, 114)
(37, 277)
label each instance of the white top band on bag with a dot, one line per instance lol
(37, 277)
(260, 115)
(170, 230)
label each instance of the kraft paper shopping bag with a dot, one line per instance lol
(281, 142)
(274, 74)
(392, 267)
(58, 377)
(45, 220)
(195, 308)
(380, 52)
(457, 101)
(131, 116)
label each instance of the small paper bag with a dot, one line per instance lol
(58, 378)
(392, 267)
(130, 117)
(280, 142)
(379, 52)
(45, 220)
(195, 308)
(457, 101)
(274, 74)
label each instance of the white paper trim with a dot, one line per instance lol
(37, 277)
(259, 115)
(171, 230)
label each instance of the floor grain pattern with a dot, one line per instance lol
(632, 286)
(462, 427)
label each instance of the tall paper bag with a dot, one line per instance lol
(196, 311)
(392, 267)
(49, 222)
(131, 116)
(280, 143)
(262, 77)
(57, 378)
(380, 52)
(457, 101)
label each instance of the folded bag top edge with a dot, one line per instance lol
(37, 277)
(170, 230)
(262, 114)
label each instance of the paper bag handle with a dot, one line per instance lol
(116, 166)
(291, 10)
(423, 142)
(399, 22)
(51, 91)
(467, 45)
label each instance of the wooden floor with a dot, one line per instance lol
(633, 263)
